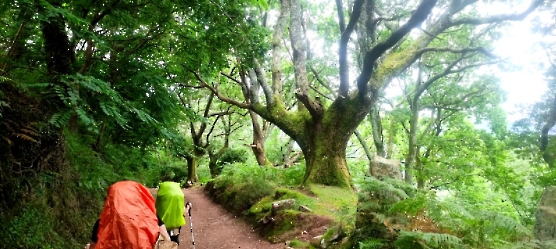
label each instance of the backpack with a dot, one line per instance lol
(128, 219)
(170, 204)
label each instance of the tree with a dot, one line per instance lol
(322, 129)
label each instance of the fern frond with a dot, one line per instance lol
(416, 239)
(8, 127)
(4, 79)
(25, 137)
(4, 104)
(85, 118)
(371, 243)
(60, 119)
(29, 131)
(10, 143)
(409, 205)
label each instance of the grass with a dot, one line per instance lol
(332, 209)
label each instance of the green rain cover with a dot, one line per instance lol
(170, 204)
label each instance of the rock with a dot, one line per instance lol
(266, 219)
(282, 204)
(330, 240)
(545, 226)
(305, 209)
(382, 167)
(322, 242)
(317, 241)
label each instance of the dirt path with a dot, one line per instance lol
(215, 228)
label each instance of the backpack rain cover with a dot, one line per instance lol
(169, 204)
(128, 219)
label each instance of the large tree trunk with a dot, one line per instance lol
(324, 142)
(192, 163)
(325, 160)
(213, 166)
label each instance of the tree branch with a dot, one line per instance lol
(456, 51)
(419, 15)
(220, 95)
(498, 18)
(346, 33)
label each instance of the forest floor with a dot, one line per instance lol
(216, 228)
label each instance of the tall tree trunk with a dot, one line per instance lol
(213, 166)
(419, 168)
(258, 140)
(192, 164)
(286, 153)
(59, 54)
(391, 137)
(412, 142)
(98, 143)
(324, 142)
(376, 124)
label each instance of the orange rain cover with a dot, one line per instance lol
(128, 219)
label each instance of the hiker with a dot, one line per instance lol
(171, 208)
(128, 219)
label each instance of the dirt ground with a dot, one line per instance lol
(215, 228)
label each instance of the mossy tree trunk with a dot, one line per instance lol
(192, 164)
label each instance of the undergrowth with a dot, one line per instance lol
(392, 214)
(250, 191)
(56, 207)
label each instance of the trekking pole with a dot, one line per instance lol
(191, 225)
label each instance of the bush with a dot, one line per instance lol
(232, 156)
(240, 187)
(30, 228)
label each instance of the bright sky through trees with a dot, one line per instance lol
(525, 83)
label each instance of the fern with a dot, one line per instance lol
(371, 243)
(26, 137)
(416, 239)
(60, 119)
(85, 118)
(411, 205)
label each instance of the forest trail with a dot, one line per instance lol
(216, 228)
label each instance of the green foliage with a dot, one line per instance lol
(31, 228)
(420, 240)
(73, 95)
(371, 243)
(3, 103)
(242, 186)
(251, 190)
(231, 156)
(430, 219)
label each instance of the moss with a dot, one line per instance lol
(331, 207)
(298, 244)
(335, 202)
(393, 63)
